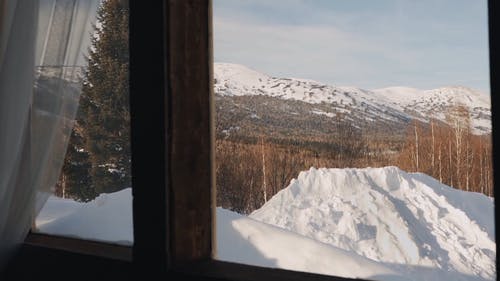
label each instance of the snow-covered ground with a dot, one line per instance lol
(248, 241)
(106, 218)
(374, 223)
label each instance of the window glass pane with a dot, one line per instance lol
(82, 94)
(353, 138)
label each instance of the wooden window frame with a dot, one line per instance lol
(192, 169)
(172, 120)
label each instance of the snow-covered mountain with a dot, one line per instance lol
(384, 106)
(435, 103)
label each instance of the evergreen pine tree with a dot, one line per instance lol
(105, 100)
(98, 155)
(75, 181)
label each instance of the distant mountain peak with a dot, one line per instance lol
(398, 102)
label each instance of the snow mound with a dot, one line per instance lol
(409, 221)
(107, 218)
(248, 241)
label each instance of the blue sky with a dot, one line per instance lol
(365, 43)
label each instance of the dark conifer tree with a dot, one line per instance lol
(75, 181)
(105, 99)
(103, 116)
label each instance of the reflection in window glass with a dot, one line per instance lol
(354, 138)
(82, 98)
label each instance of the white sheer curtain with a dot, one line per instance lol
(41, 68)
(64, 31)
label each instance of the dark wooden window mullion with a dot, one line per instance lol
(190, 154)
(148, 108)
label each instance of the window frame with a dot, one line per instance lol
(192, 259)
(172, 135)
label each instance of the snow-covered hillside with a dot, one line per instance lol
(378, 224)
(393, 104)
(435, 103)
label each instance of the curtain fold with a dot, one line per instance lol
(17, 41)
(63, 26)
(41, 75)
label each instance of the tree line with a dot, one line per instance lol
(250, 171)
(452, 154)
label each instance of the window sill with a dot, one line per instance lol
(242, 272)
(79, 246)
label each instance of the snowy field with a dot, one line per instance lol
(374, 223)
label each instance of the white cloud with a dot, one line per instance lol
(318, 52)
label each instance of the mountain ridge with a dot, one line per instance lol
(393, 104)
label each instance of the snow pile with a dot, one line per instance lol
(408, 221)
(106, 218)
(245, 240)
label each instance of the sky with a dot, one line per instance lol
(369, 44)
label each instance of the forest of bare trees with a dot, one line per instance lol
(249, 171)
(249, 174)
(451, 154)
